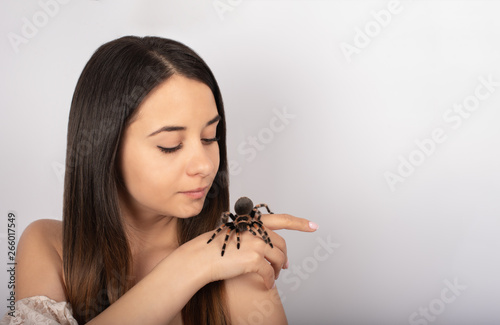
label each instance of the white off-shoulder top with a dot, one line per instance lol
(40, 310)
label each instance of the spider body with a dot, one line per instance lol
(247, 218)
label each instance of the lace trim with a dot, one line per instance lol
(40, 310)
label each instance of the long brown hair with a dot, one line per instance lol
(96, 253)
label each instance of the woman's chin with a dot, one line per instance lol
(190, 211)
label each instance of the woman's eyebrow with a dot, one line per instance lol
(182, 128)
(212, 121)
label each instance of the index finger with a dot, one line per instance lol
(286, 221)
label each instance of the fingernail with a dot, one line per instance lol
(313, 225)
(274, 285)
(286, 265)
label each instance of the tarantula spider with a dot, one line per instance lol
(247, 218)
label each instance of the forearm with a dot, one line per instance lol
(159, 296)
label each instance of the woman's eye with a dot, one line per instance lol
(208, 141)
(174, 149)
(169, 150)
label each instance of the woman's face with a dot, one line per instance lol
(169, 154)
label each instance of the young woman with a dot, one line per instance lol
(146, 183)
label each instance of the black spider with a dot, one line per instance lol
(247, 218)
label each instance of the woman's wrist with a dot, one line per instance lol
(191, 258)
(189, 266)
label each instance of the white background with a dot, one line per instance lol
(355, 119)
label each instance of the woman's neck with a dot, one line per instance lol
(160, 233)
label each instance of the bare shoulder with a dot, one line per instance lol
(39, 261)
(251, 302)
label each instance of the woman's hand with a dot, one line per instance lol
(254, 254)
(168, 287)
(285, 221)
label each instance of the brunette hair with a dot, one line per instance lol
(96, 253)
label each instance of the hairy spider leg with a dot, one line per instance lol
(262, 205)
(256, 212)
(257, 220)
(225, 216)
(263, 233)
(231, 227)
(217, 231)
(268, 241)
(266, 235)
(251, 230)
(238, 238)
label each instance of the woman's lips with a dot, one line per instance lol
(196, 193)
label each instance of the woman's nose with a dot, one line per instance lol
(200, 162)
